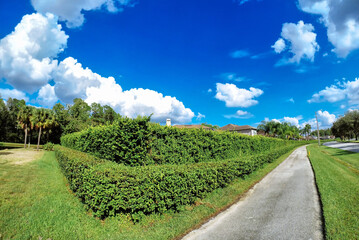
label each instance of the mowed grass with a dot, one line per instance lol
(35, 203)
(17, 145)
(337, 176)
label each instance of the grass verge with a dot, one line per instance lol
(337, 177)
(36, 203)
(17, 145)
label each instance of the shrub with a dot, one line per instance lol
(109, 188)
(136, 142)
(126, 141)
(48, 146)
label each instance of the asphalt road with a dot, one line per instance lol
(353, 147)
(284, 205)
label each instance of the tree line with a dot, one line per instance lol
(286, 130)
(20, 122)
(347, 126)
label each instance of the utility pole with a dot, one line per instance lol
(316, 117)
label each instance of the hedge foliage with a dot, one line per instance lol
(109, 188)
(136, 142)
(126, 141)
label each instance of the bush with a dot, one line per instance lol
(109, 188)
(126, 141)
(48, 146)
(136, 142)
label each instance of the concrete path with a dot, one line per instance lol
(284, 205)
(353, 147)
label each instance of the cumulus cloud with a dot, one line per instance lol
(239, 54)
(237, 97)
(71, 11)
(279, 45)
(292, 120)
(13, 93)
(26, 54)
(341, 18)
(47, 96)
(340, 91)
(301, 41)
(325, 118)
(240, 114)
(139, 101)
(72, 80)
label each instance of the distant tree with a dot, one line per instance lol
(109, 114)
(97, 114)
(80, 110)
(23, 118)
(4, 120)
(210, 125)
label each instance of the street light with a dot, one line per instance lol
(316, 117)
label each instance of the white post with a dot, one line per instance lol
(168, 122)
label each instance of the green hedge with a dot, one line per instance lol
(109, 188)
(136, 142)
(179, 146)
(126, 141)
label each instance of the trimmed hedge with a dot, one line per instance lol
(178, 146)
(136, 142)
(126, 141)
(109, 188)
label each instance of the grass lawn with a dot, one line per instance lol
(35, 203)
(337, 176)
(17, 145)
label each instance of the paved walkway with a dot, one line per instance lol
(284, 205)
(353, 147)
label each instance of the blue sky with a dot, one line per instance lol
(212, 61)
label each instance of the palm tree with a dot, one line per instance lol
(23, 118)
(42, 119)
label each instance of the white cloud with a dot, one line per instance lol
(47, 96)
(292, 120)
(209, 90)
(13, 93)
(26, 53)
(72, 80)
(239, 54)
(341, 91)
(200, 116)
(237, 97)
(301, 41)
(240, 114)
(290, 100)
(325, 118)
(341, 18)
(71, 11)
(232, 77)
(279, 45)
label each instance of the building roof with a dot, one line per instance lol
(196, 126)
(233, 127)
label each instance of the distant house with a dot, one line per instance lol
(194, 126)
(246, 129)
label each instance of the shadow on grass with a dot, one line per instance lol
(5, 153)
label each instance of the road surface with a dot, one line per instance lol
(284, 205)
(353, 147)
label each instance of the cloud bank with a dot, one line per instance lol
(341, 17)
(28, 63)
(348, 91)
